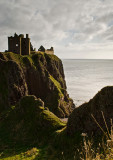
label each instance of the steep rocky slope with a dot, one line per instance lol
(12, 84)
(84, 119)
(41, 75)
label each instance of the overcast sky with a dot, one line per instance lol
(75, 28)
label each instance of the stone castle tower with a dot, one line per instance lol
(20, 45)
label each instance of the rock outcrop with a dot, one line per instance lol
(84, 118)
(41, 75)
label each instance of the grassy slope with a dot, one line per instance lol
(28, 131)
(59, 147)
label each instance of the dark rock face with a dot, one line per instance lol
(12, 84)
(41, 75)
(81, 119)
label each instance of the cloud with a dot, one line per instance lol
(60, 23)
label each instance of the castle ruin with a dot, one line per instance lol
(22, 45)
(19, 44)
(49, 51)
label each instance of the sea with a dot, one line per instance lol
(85, 77)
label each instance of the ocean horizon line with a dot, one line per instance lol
(82, 59)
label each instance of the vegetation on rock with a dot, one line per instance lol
(29, 122)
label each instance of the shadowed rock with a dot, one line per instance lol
(12, 84)
(81, 120)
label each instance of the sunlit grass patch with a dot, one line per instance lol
(29, 154)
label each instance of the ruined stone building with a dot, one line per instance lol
(22, 45)
(49, 51)
(18, 44)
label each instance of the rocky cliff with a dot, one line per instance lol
(88, 117)
(41, 75)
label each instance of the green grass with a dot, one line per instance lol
(24, 154)
(58, 86)
(61, 147)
